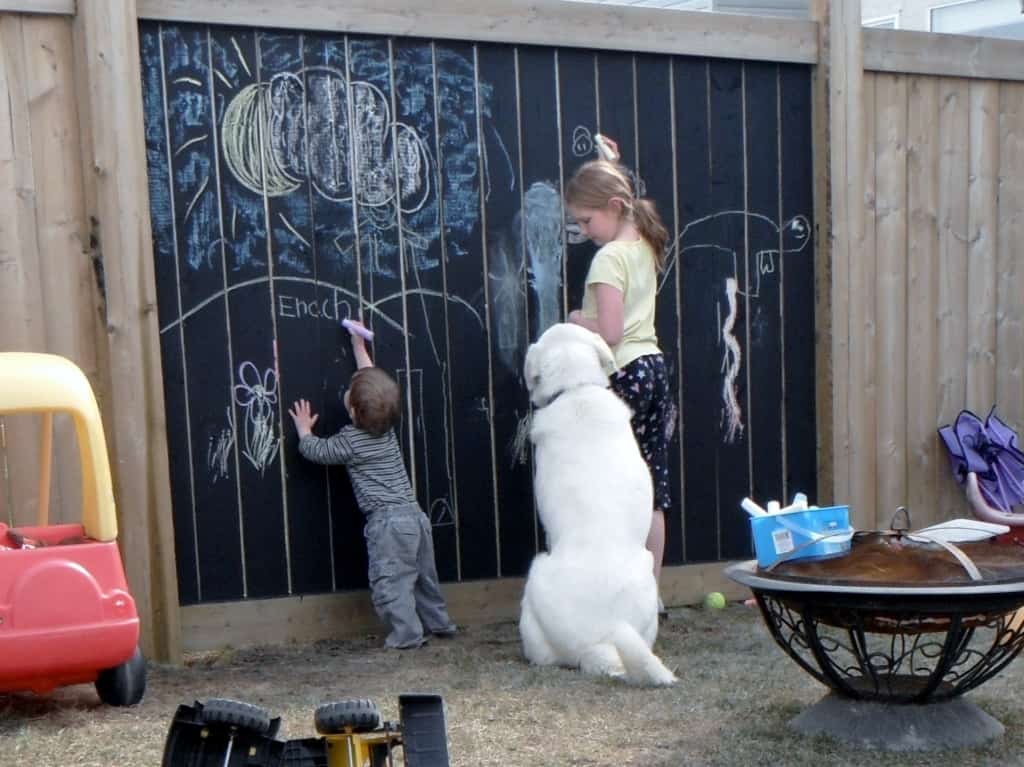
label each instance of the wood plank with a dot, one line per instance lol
(112, 76)
(798, 227)
(890, 293)
(700, 402)
(544, 22)
(655, 140)
(926, 53)
(1009, 269)
(863, 360)
(60, 7)
(310, 618)
(728, 307)
(766, 244)
(463, 111)
(61, 231)
(844, 102)
(508, 325)
(952, 322)
(22, 319)
(982, 227)
(832, 273)
(924, 453)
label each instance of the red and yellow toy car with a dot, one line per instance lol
(66, 615)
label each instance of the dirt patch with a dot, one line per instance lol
(736, 692)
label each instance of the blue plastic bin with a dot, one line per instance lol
(810, 534)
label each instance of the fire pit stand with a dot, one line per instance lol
(897, 659)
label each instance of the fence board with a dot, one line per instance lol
(61, 235)
(21, 307)
(952, 323)
(923, 449)
(1010, 272)
(863, 392)
(983, 129)
(891, 298)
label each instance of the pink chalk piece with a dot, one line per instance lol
(357, 329)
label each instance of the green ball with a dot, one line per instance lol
(714, 601)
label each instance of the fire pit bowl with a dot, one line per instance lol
(896, 622)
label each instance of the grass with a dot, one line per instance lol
(736, 693)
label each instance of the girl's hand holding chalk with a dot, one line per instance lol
(355, 327)
(606, 148)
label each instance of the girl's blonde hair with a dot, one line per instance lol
(596, 183)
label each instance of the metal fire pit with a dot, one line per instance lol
(881, 645)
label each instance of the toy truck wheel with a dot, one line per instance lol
(235, 713)
(123, 685)
(357, 715)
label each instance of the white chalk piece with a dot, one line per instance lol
(603, 150)
(752, 508)
(357, 329)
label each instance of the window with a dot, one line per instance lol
(992, 18)
(883, 22)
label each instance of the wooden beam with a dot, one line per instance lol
(539, 22)
(840, 104)
(328, 616)
(60, 7)
(112, 79)
(926, 53)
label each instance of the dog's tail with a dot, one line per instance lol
(642, 666)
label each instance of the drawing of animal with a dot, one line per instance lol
(591, 600)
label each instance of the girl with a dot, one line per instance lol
(618, 304)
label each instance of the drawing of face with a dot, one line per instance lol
(601, 225)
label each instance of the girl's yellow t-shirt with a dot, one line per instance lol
(628, 266)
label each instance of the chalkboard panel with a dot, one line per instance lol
(300, 178)
(656, 179)
(796, 236)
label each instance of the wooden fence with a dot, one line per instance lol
(918, 303)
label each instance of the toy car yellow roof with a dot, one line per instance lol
(39, 383)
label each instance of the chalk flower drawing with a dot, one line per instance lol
(258, 397)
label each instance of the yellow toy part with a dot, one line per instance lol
(45, 384)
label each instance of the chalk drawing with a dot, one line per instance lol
(257, 395)
(519, 447)
(508, 293)
(542, 209)
(732, 414)
(218, 450)
(582, 141)
(705, 234)
(441, 513)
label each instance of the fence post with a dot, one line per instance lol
(847, 456)
(108, 38)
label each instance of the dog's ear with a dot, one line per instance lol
(530, 373)
(604, 355)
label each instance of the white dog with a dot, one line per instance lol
(591, 601)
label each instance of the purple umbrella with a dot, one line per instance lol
(988, 450)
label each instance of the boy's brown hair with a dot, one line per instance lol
(375, 399)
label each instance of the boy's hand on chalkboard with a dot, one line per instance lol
(303, 416)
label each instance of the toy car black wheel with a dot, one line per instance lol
(123, 685)
(357, 715)
(244, 716)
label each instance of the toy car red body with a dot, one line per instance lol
(66, 615)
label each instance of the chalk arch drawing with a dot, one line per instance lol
(257, 395)
(704, 234)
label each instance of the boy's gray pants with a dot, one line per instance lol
(403, 576)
